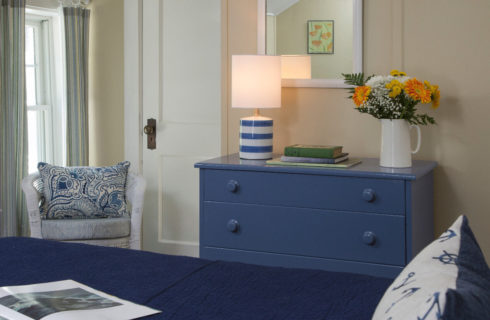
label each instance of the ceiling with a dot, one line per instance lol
(276, 7)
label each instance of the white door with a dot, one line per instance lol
(174, 76)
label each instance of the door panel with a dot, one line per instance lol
(188, 138)
(192, 59)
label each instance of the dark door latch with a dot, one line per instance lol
(151, 133)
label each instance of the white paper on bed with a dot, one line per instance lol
(65, 300)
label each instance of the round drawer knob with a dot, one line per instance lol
(369, 238)
(232, 186)
(232, 225)
(368, 195)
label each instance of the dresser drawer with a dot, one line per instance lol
(303, 190)
(305, 232)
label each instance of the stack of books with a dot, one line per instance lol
(314, 156)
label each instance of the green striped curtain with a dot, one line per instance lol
(76, 41)
(13, 118)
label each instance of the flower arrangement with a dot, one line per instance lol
(393, 97)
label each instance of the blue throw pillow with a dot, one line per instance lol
(447, 280)
(83, 192)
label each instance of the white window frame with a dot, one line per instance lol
(50, 94)
(43, 100)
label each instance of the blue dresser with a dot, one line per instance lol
(365, 219)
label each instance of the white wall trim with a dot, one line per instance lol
(315, 83)
(225, 77)
(133, 104)
(181, 248)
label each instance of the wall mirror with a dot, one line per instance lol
(329, 31)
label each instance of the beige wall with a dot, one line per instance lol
(106, 82)
(438, 40)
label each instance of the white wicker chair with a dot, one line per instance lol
(135, 191)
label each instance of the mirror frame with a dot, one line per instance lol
(316, 83)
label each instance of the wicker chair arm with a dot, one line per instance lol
(32, 200)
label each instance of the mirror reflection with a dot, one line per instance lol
(322, 29)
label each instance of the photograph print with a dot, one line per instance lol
(37, 305)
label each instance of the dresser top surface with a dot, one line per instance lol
(369, 168)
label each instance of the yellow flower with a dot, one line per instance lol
(395, 92)
(361, 94)
(434, 92)
(396, 88)
(416, 90)
(436, 96)
(394, 83)
(396, 73)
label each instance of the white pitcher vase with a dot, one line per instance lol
(396, 149)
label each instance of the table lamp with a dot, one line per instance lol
(295, 67)
(255, 83)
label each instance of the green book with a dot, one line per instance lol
(344, 164)
(312, 151)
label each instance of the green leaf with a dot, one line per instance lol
(355, 79)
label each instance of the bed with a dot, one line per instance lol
(191, 288)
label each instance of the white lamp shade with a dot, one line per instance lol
(296, 67)
(255, 81)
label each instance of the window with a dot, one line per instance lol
(44, 89)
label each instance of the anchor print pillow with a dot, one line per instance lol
(447, 280)
(83, 192)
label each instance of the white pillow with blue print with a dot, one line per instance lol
(447, 280)
(83, 192)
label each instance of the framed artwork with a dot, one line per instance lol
(320, 36)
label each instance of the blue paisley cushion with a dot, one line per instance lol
(447, 280)
(83, 192)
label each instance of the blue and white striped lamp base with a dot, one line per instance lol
(256, 138)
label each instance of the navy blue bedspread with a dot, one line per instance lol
(190, 288)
